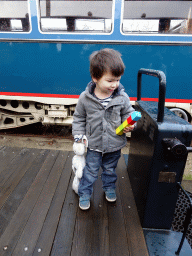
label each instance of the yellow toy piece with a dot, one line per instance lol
(133, 118)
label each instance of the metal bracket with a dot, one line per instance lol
(168, 177)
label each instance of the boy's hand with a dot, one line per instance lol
(128, 129)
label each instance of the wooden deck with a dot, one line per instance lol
(39, 213)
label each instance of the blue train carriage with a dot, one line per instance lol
(45, 47)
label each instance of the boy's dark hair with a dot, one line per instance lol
(106, 60)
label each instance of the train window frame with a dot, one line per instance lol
(88, 32)
(11, 19)
(152, 34)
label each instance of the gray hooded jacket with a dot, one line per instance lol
(99, 123)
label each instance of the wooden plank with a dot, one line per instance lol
(101, 222)
(50, 226)
(34, 224)
(64, 236)
(14, 200)
(24, 161)
(117, 232)
(6, 156)
(10, 166)
(14, 165)
(98, 231)
(84, 233)
(134, 230)
(15, 228)
(91, 235)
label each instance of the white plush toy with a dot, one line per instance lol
(78, 161)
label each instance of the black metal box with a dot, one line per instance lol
(157, 159)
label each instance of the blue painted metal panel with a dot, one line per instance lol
(64, 68)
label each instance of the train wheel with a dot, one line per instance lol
(181, 113)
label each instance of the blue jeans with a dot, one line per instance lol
(95, 160)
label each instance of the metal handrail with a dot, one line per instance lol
(187, 219)
(162, 89)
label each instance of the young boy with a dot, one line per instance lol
(101, 108)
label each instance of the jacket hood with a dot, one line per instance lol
(91, 86)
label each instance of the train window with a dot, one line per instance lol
(14, 16)
(16, 25)
(53, 24)
(156, 17)
(82, 16)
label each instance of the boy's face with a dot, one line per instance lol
(107, 84)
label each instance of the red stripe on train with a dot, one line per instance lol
(77, 96)
(167, 100)
(39, 95)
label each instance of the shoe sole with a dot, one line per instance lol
(111, 200)
(84, 208)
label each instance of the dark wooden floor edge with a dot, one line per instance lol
(10, 236)
(11, 204)
(61, 217)
(135, 234)
(66, 226)
(55, 209)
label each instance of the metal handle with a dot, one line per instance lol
(162, 89)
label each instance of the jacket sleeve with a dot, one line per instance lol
(127, 110)
(79, 118)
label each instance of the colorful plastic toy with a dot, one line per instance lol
(133, 118)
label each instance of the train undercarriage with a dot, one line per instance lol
(17, 113)
(20, 111)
